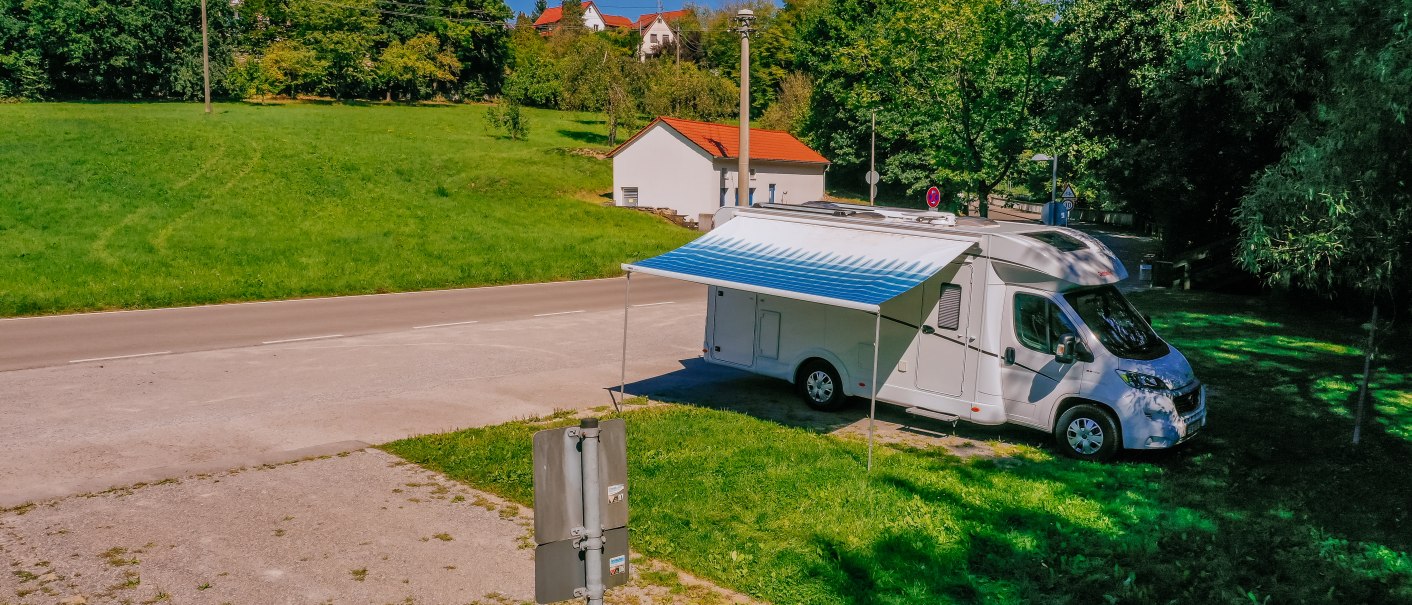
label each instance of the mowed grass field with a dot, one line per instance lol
(106, 206)
(1270, 505)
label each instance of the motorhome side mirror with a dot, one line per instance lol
(1066, 350)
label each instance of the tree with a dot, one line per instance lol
(416, 66)
(957, 86)
(505, 114)
(288, 65)
(686, 91)
(791, 108)
(571, 16)
(539, 7)
(532, 76)
(343, 37)
(598, 76)
(1170, 130)
(1335, 212)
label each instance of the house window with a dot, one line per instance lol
(654, 38)
(772, 193)
(629, 196)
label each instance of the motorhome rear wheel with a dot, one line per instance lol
(821, 387)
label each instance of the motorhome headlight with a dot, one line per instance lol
(1139, 380)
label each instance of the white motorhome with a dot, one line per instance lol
(961, 319)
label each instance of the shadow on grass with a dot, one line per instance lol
(1272, 502)
(584, 136)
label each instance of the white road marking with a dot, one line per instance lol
(275, 342)
(559, 313)
(454, 323)
(121, 357)
(670, 302)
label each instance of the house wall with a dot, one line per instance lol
(669, 171)
(663, 32)
(794, 183)
(592, 20)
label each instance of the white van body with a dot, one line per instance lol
(977, 342)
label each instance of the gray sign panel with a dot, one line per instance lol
(558, 481)
(559, 567)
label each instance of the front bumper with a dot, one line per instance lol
(1167, 430)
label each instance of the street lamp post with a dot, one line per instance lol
(742, 194)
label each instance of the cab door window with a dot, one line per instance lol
(1039, 323)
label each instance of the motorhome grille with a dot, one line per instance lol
(1188, 402)
(948, 311)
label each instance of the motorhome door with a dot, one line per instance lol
(941, 353)
(1030, 377)
(733, 326)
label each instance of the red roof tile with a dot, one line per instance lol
(553, 14)
(723, 141)
(668, 16)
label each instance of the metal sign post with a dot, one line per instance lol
(580, 511)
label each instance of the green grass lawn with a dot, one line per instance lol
(147, 205)
(1269, 505)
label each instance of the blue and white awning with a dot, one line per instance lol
(834, 265)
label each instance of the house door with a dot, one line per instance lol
(941, 352)
(772, 193)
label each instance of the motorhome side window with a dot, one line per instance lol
(1039, 323)
(948, 310)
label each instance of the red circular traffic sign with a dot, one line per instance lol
(933, 197)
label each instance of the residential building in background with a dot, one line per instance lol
(593, 19)
(658, 30)
(691, 167)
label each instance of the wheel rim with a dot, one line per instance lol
(819, 385)
(1085, 436)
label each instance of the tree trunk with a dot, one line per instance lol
(1367, 370)
(983, 199)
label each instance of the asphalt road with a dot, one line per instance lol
(34, 342)
(336, 375)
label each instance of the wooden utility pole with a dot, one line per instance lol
(742, 195)
(205, 58)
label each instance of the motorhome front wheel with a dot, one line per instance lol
(1087, 432)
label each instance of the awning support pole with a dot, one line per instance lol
(873, 398)
(623, 385)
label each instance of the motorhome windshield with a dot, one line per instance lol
(1117, 325)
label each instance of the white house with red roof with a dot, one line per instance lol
(593, 19)
(691, 167)
(658, 30)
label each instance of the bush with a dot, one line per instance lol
(506, 115)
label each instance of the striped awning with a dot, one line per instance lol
(836, 265)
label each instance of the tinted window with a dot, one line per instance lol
(1039, 323)
(1060, 241)
(1117, 325)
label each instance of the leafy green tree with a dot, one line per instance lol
(687, 91)
(571, 17)
(417, 66)
(956, 84)
(791, 108)
(532, 76)
(599, 76)
(1157, 111)
(288, 66)
(539, 7)
(343, 37)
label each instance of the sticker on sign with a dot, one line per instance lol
(933, 197)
